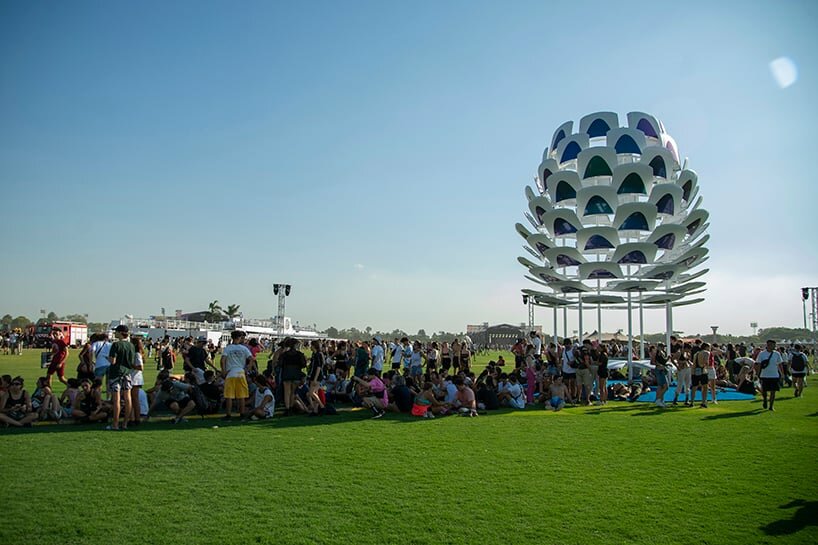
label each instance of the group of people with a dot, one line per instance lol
(400, 376)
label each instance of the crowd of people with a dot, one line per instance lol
(424, 380)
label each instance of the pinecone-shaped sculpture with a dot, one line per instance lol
(614, 211)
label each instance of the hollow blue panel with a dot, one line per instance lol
(570, 152)
(658, 166)
(636, 257)
(562, 227)
(645, 126)
(598, 128)
(566, 261)
(565, 191)
(632, 184)
(635, 222)
(626, 144)
(665, 204)
(548, 277)
(545, 175)
(598, 242)
(597, 205)
(541, 247)
(558, 138)
(692, 226)
(686, 189)
(602, 273)
(666, 242)
(540, 213)
(597, 166)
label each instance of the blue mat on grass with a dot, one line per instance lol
(722, 394)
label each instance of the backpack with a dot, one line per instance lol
(799, 363)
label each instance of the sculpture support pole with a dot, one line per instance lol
(668, 319)
(556, 342)
(565, 322)
(641, 329)
(598, 315)
(630, 339)
(580, 317)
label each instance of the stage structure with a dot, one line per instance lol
(615, 220)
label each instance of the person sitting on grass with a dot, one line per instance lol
(69, 395)
(401, 395)
(515, 397)
(88, 406)
(15, 406)
(465, 401)
(487, 395)
(375, 398)
(425, 404)
(175, 395)
(264, 406)
(45, 402)
(557, 393)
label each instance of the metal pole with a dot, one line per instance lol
(641, 328)
(580, 317)
(565, 322)
(668, 317)
(630, 339)
(556, 342)
(598, 316)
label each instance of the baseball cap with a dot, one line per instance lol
(201, 339)
(121, 328)
(378, 338)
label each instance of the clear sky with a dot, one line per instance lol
(374, 154)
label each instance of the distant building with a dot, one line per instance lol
(501, 335)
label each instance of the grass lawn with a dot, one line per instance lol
(624, 473)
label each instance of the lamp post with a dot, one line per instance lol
(282, 290)
(529, 302)
(714, 328)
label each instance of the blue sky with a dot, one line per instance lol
(374, 154)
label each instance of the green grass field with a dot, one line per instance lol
(624, 473)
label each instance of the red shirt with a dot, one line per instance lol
(59, 351)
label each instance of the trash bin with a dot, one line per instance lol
(45, 359)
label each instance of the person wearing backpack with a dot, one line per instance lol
(798, 368)
(769, 364)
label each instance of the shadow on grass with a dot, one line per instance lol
(720, 416)
(806, 515)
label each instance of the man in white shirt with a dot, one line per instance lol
(769, 363)
(377, 354)
(235, 357)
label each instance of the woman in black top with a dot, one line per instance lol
(602, 373)
(314, 379)
(15, 405)
(292, 362)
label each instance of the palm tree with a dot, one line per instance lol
(214, 312)
(232, 311)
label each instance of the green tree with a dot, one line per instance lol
(75, 318)
(214, 312)
(232, 311)
(5, 321)
(20, 321)
(332, 332)
(52, 316)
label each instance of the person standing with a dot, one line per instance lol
(293, 362)
(661, 371)
(377, 354)
(59, 353)
(798, 368)
(234, 358)
(122, 357)
(701, 362)
(769, 362)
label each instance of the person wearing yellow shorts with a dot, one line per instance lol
(234, 358)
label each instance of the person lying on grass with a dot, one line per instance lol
(374, 396)
(15, 405)
(88, 405)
